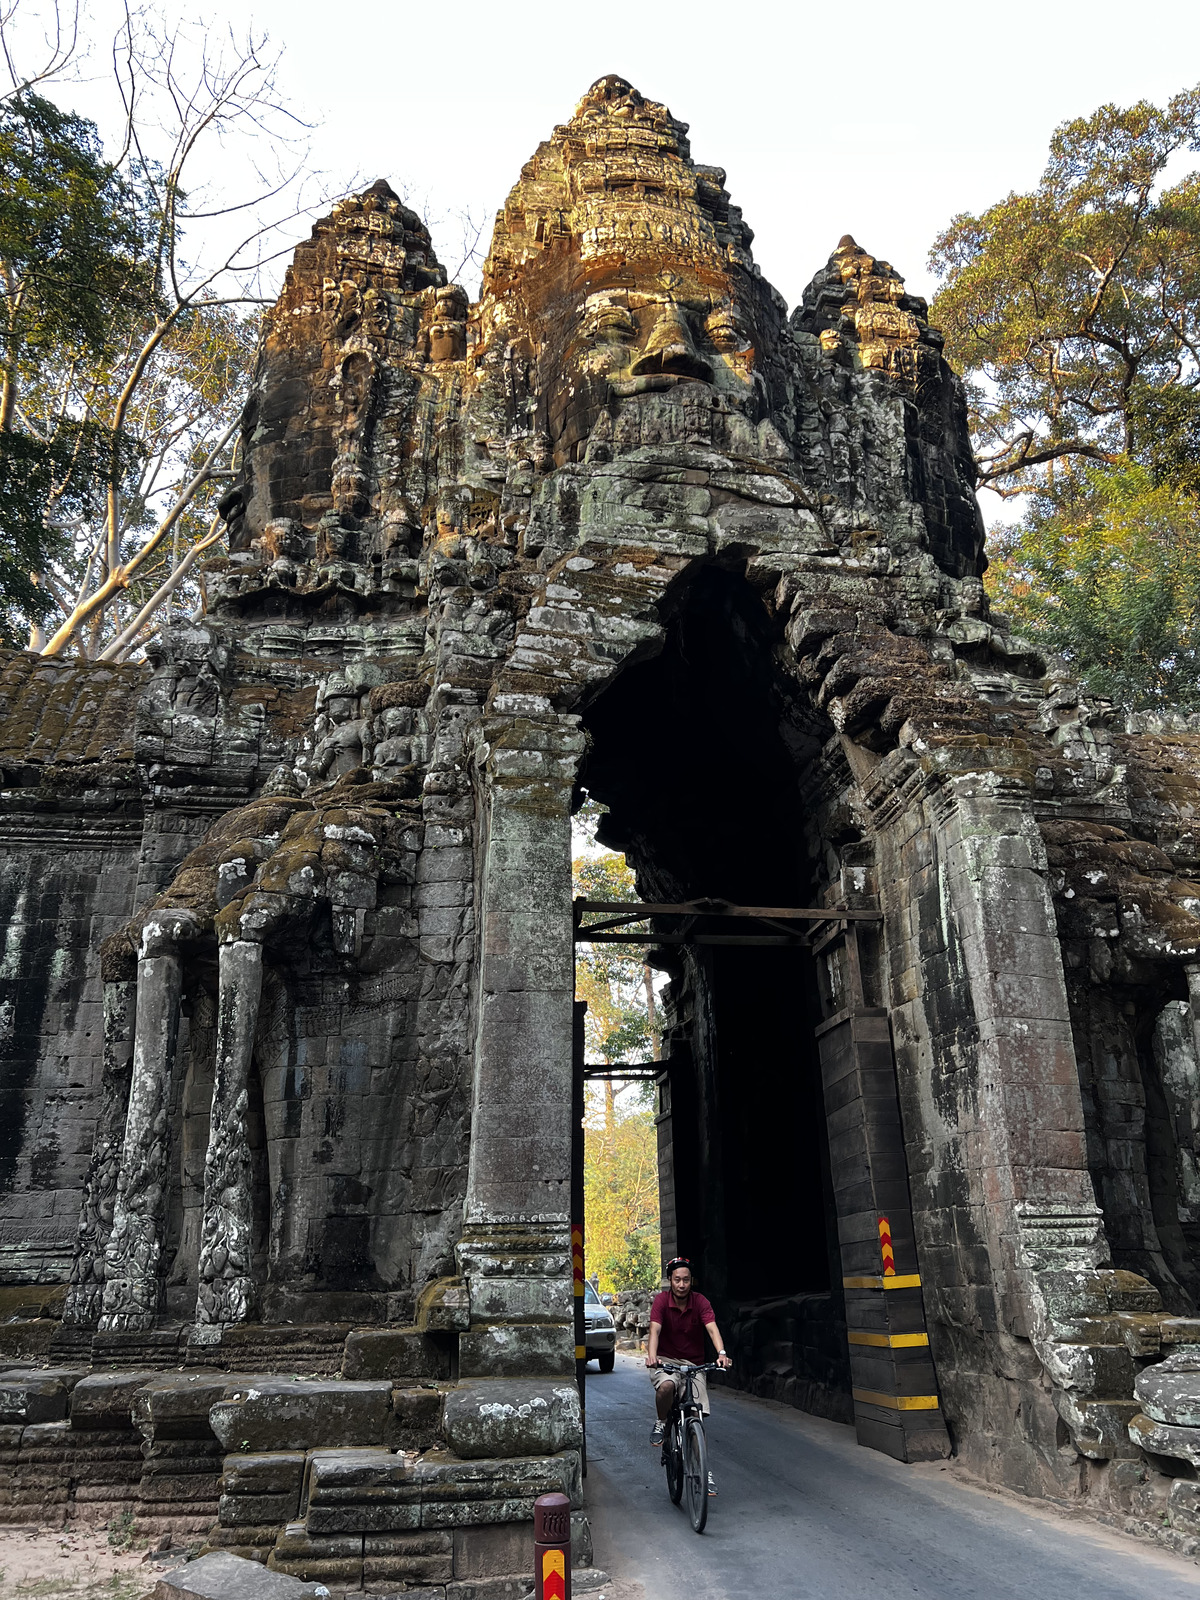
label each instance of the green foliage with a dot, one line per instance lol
(120, 1531)
(639, 1266)
(110, 332)
(620, 1138)
(1075, 312)
(621, 1242)
(1104, 569)
(26, 544)
(72, 235)
(1165, 427)
(71, 272)
(612, 978)
(1076, 308)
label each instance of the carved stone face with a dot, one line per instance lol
(651, 333)
(354, 385)
(724, 331)
(608, 320)
(448, 330)
(634, 268)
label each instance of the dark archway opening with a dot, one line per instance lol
(704, 758)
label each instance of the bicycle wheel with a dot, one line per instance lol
(695, 1473)
(673, 1460)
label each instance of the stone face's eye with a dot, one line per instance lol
(723, 331)
(612, 324)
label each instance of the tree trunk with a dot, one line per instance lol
(652, 1010)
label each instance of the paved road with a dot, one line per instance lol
(804, 1512)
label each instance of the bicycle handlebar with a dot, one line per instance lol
(691, 1366)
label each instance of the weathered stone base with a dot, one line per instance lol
(346, 1482)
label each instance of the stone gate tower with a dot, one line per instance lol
(289, 937)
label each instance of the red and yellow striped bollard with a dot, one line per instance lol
(552, 1547)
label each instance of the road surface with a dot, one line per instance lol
(803, 1511)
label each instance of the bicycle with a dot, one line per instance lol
(685, 1448)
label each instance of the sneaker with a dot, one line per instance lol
(656, 1433)
(712, 1484)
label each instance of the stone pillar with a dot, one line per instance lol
(131, 1278)
(1049, 1253)
(86, 1293)
(1030, 1152)
(1022, 1303)
(226, 1289)
(894, 1386)
(515, 1248)
(1192, 971)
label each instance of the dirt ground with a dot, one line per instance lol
(40, 1564)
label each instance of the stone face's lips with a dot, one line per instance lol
(647, 384)
(673, 360)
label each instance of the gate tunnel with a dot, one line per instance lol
(781, 1159)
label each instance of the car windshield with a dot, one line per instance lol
(590, 1296)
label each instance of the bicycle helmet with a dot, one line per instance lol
(676, 1261)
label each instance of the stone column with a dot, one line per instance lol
(1049, 1254)
(1192, 971)
(1030, 1152)
(515, 1249)
(86, 1293)
(131, 1277)
(226, 1289)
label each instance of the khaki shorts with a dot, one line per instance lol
(699, 1383)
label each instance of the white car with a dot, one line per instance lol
(600, 1337)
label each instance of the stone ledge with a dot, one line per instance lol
(394, 1353)
(302, 1415)
(37, 1396)
(512, 1417)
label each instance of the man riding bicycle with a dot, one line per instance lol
(679, 1319)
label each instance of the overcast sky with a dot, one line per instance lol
(880, 120)
(874, 119)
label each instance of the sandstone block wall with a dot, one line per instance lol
(300, 1058)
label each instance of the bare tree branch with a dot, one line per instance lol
(61, 43)
(119, 578)
(116, 650)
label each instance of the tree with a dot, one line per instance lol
(141, 399)
(621, 1023)
(621, 1241)
(614, 979)
(1075, 309)
(1104, 569)
(620, 1138)
(72, 243)
(1075, 312)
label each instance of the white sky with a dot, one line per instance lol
(881, 120)
(873, 119)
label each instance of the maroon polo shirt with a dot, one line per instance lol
(683, 1337)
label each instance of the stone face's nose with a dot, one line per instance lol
(670, 349)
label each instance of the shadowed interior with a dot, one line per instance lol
(700, 755)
